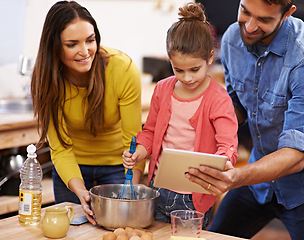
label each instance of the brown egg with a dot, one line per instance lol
(109, 236)
(128, 229)
(135, 238)
(151, 234)
(119, 231)
(146, 236)
(133, 233)
(122, 237)
(141, 232)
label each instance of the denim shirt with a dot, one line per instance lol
(268, 88)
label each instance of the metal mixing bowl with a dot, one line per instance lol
(112, 213)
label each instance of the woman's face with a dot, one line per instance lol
(79, 47)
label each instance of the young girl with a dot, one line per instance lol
(189, 111)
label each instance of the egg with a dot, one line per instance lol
(146, 236)
(150, 234)
(128, 229)
(122, 237)
(109, 236)
(135, 238)
(119, 231)
(132, 233)
(141, 232)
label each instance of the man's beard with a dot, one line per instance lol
(253, 41)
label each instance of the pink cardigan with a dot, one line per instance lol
(215, 124)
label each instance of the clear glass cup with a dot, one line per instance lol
(186, 223)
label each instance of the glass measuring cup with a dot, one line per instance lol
(186, 223)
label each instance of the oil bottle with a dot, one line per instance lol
(30, 189)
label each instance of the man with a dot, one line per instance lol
(263, 57)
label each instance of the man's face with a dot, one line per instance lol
(259, 22)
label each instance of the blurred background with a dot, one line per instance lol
(136, 27)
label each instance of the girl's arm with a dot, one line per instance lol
(226, 126)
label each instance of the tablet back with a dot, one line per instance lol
(174, 163)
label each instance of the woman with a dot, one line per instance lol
(87, 100)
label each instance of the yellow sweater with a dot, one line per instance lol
(122, 121)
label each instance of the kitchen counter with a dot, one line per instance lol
(11, 229)
(17, 129)
(11, 203)
(20, 129)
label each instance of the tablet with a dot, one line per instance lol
(174, 163)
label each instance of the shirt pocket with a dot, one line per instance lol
(237, 85)
(273, 107)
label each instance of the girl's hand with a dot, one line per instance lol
(127, 160)
(131, 160)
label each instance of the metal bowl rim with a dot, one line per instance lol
(123, 200)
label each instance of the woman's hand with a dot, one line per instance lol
(78, 187)
(85, 199)
(131, 160)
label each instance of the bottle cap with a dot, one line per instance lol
(31, 151)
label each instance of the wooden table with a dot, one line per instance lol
(11, 229)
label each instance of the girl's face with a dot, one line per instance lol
(79, 47)
(191, 72)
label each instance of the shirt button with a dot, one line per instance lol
(255, 89)
(272, 181)
(253, 114)
(259, 64)
(258, 137)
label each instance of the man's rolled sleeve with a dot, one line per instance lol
(292, 139)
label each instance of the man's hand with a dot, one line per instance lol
(213, 180)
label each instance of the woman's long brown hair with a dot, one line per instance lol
(47, 85)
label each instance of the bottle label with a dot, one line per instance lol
(25, 203)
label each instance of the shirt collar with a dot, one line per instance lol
(279, 43)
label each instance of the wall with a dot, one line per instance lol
(136, 27)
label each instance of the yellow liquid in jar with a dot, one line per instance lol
(35, 218)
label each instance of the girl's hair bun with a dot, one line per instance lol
(192, 11)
